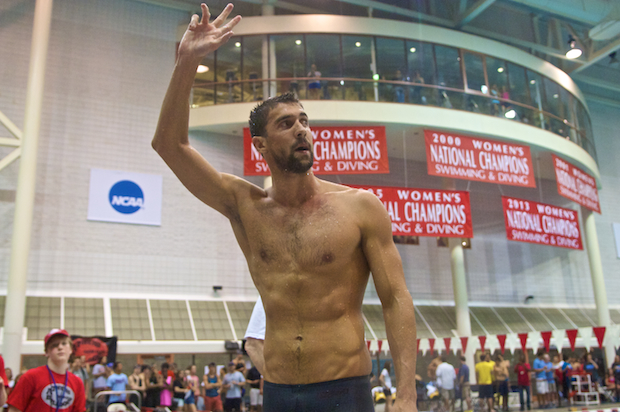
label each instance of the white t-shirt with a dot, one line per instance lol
(386, 378)
(445, 376)
(258, 322)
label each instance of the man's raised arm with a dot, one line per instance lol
(171, 136)
(398, 312)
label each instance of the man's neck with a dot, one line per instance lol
(58, 367)
(293, 189)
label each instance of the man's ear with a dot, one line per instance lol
(259, 143)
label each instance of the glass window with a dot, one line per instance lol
(474, 69)
(323, 60)
(518, 84)
(171, 320)
(203, 83)
(42, 314)
(448, 65)
(289, 63)
(421, 65)
(252, 68)
(84, 316)
(130, 319)
(227, 73)
(210, 320)
(356, 64)
(498, 77)
(240, 313)
(553, 104)
(537, 93)
(391, 65)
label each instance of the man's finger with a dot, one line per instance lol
(223, 16)
(206, 15)
(230, 25)
(194, 21)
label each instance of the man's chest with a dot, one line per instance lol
(308, 237)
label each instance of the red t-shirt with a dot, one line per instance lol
(35, 392)
(523, 374)
(3, 373)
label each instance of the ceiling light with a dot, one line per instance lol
(358, 44)
(500, 70)
(238, 44)
(532, 81)
(555, 96)
(298, 42)
(202, 69)
(375, 77)
(573, 51)
(342, 82)
(412, 50)
(510, 114)
(484, 89)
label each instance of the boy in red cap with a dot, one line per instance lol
(51, 387)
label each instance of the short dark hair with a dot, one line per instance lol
(463, 358)
(258, 116)
(116, 364)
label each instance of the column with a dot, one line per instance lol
(461, 299)
(15, 306)
(596, 272)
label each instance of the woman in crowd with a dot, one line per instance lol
(137, 382)
(153, 381)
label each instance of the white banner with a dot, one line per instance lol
(125, 197)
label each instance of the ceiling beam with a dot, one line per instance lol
(597, 82)
(401, 11)
(473, 12)
(550, 51)
(590, 18)
(599, 55)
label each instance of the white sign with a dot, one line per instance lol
(125, 197)
(616, 227)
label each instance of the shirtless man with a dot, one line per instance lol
(310, 247)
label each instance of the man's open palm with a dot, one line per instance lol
(202, 37)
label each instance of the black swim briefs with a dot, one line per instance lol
(341, 395)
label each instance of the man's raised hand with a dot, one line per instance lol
(202, 37)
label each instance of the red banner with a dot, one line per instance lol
(533, 222)
(431, 344)
(546, 336)
(471, 158)
(464, 344)
(572, 337)
(338, 150)
(576, 185)
(446, 342)
(426, 212)
(523, 339)
(482, 340)
(502, 342)
(599, 332)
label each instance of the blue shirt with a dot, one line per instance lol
(117, 382)
(464, 372)
(539, 364)
(550, 372)
(211, 393)
(234, 391)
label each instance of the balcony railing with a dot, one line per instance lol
(349, 89)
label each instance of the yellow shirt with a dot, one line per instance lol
(484, 370)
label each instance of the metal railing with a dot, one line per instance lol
(207, 93)
(105, 393)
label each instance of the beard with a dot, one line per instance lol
(292, 164)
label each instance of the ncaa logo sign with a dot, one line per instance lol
(126, 197)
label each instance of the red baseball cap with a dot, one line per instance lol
(54, 332)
